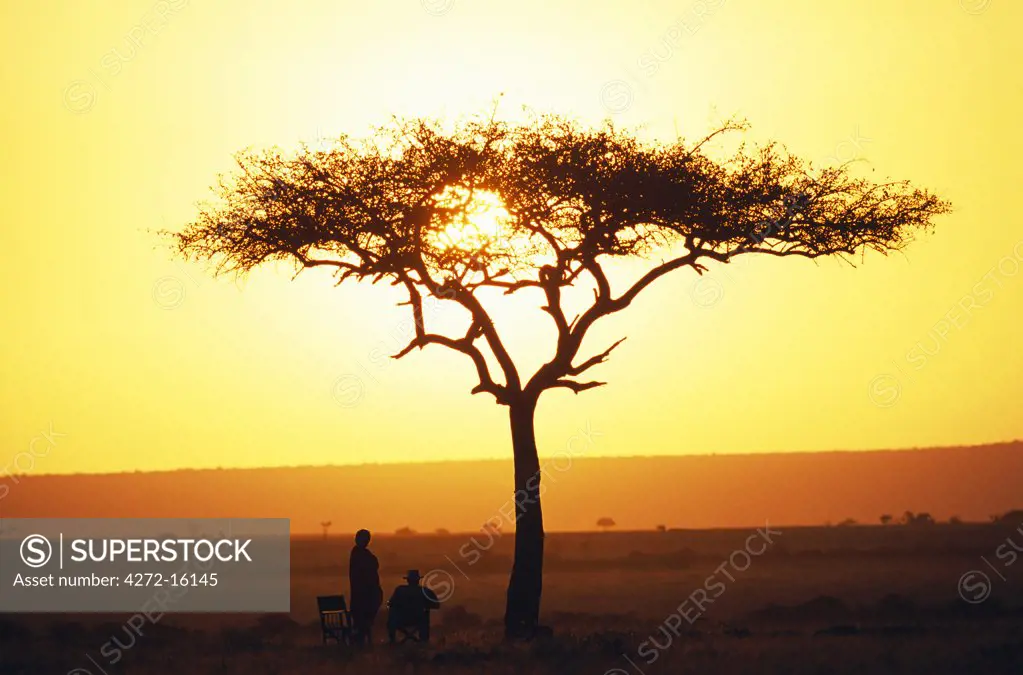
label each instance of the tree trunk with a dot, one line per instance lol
(523, 607)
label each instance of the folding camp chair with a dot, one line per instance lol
(335, 619)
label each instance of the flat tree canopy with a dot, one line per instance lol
(538, 204)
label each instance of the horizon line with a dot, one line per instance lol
(771, 453)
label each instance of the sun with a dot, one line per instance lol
(480, 219)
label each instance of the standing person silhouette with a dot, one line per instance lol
(366, 593)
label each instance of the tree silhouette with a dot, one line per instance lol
(605, 523)
(1013, 516)
(886, 519)
(910, 518)
(461, 216)
(326, 526)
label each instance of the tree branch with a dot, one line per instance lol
(593, 361)
(465, 345)
(575, 386)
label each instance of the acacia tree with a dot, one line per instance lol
(490, 208)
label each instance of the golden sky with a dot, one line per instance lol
(119, 115)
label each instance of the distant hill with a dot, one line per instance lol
(637, 492)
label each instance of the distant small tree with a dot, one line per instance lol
(326, 526)
(847, 522)
(955, 520)
(662, 528)
(405, 531)
(1014, 516)
(886, 519)
(910, 518)
(605, 523)
(442, 532)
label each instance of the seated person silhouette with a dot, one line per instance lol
(408, 610)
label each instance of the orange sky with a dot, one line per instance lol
(120, 115)
(639, 493)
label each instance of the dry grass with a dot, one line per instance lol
(821, 600)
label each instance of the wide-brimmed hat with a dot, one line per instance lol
(412, 575)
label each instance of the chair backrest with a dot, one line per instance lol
(331, 603)
(334, 620)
